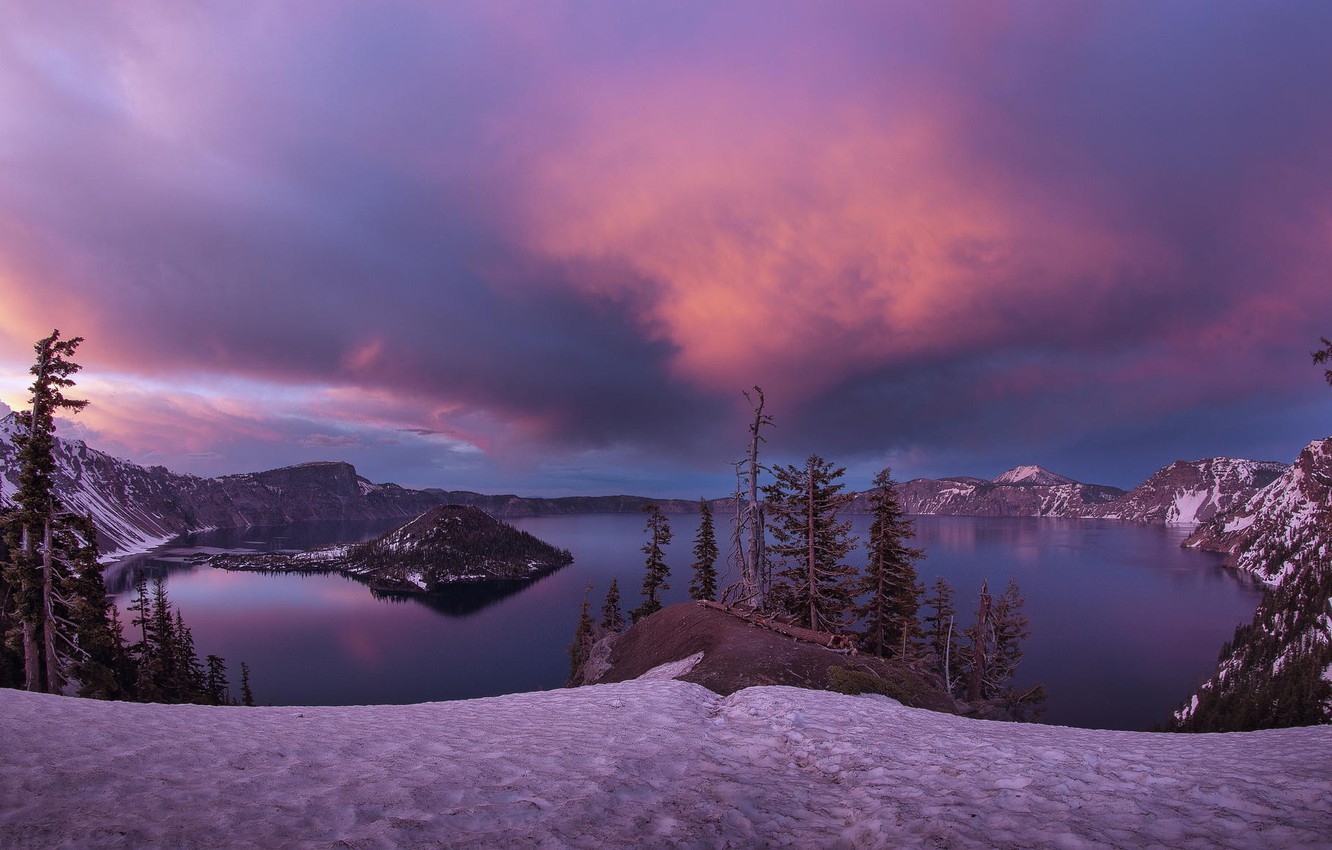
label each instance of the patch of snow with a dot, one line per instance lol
(1184, 509)
(653, 763)
(672, 669)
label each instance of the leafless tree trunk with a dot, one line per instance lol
(48, 614)
(978, 649)
(948, 659)
(32, 667)
(754, 578)
(811, 510)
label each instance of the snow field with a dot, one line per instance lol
(639, 764)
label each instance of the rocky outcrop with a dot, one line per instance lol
(445, 546)
(1277, 670)
(734, 653)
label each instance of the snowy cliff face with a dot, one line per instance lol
(136, 508)
(1190, 492)
(1277, 670)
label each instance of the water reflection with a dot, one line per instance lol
(1124, 622)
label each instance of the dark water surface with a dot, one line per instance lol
(1124, 622)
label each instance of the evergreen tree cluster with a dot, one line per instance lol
(880, 603)
(1272, 672)
(59, 633)
(163, 665)
(882, 600)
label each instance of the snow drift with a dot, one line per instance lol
(644, 764)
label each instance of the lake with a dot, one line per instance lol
(1124, 622)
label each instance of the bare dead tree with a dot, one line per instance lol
(755, 572)
(978, 644)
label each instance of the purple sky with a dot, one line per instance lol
(542, 247)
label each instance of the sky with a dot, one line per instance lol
(543, 247)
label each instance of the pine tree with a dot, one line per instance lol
(612, 618)
(144, 649)
(657, 571)
(101, 664)
(1010, 629)
(704, 584)
(995, 645)
(165, 670)
(1324, 355)
(216, 689)
(190, 672)
(247, 696)
(34, 573)
(584, 636)
(803, 503)
(888, 584)
(941, 633)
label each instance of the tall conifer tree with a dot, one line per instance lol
(35, 573)
(656, 570)
(803, 505)
(941, 632)
(704, 583)
(888, 584)
(612, 617)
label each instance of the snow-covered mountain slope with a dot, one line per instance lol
(1278, 669)
(1190, 492)
(136, 507)
(1032, 476)
(640, 764)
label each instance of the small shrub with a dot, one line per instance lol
(847, 680)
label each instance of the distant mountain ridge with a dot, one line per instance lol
(1023, 491)
(137, 508)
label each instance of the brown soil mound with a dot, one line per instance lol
(739, 654)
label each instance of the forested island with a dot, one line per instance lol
(446, 545)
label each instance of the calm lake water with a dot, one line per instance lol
(1124, 623)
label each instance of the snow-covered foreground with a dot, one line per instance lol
(640, 764)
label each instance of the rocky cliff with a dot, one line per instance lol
(1188, 492)
(1277, 670)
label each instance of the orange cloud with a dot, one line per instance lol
(777, 236)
